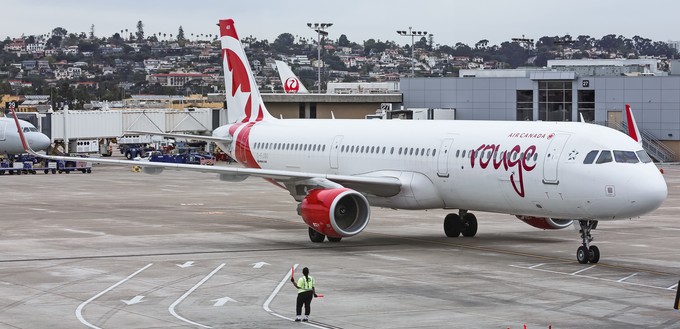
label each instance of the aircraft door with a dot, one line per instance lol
(552, 158)
(335, 149)
(443, 158)
(3, 128)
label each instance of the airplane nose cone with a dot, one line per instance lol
(647, 192)
(39, 142)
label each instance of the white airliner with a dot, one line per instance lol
(548, 174)
(291, 83)
(10, 143)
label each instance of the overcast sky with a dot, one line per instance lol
(450, 21)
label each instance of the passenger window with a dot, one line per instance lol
(644, 157)
(428, 152)
(625, 157)
(400, 151)
(324, 148)
(605, 156)
(392, 150)
(433, 152)
(411, 153)
(372, 149)
(362, 150)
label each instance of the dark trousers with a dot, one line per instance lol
(306, 299)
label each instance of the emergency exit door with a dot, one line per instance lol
(552, 159)
(443, 158)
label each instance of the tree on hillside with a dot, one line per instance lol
(343, 41)
(284, 43)
(140, 31)
(180, 35)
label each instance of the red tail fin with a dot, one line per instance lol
(633, 130)
(20, 131)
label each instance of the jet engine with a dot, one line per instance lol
(546, 223)
(337, 212)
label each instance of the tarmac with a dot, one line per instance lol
(119, 249)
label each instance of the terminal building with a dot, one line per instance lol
(598, 90)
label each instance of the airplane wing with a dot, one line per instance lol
(187, 136)
(378, 185)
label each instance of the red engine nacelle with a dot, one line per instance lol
(338, 212)
(546, 223)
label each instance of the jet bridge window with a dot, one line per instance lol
(625, 157)
(605, 156)
(644, 157)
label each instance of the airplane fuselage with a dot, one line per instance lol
(520, 168)
(10, 141)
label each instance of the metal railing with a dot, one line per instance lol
(651, 144)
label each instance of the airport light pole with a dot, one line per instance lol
(412, 34)
(320, 29)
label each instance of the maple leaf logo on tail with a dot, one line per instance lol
(243, 96)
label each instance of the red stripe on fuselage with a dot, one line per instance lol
(242, 150)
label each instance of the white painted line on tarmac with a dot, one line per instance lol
(673, 287)
(171, 309)
(588, 277)
(626, 278)
(537, 265)
(271, 297)
(79, 310)
(583, 270)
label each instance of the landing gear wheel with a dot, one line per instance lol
(469, 225)
(587, 252)
(315, 236)
(594, 255)
(332, 239)
(582, 255)
(452, 225)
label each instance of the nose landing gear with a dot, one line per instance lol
(587, 253)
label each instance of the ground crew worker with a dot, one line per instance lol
(306, 291)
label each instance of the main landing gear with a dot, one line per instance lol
(317, 237)
(587, 252)
(462, 223)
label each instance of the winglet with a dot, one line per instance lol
(582, 119)
(24, 143)
(633, 130)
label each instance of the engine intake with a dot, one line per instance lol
(546, 223)
(339, 212)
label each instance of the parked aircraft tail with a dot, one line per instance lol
(243, 96)
(291, 83)
(633, 130)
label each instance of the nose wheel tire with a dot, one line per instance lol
(582, 254)
(332, 239)
(594, 255)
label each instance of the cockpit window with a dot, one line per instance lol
(644, 157)
(625, 157)
(590, 157)
(605, 156)
(29, 129)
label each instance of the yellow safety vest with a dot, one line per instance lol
(305, 285)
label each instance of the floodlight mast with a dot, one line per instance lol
(412, 34)
(320, 29)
